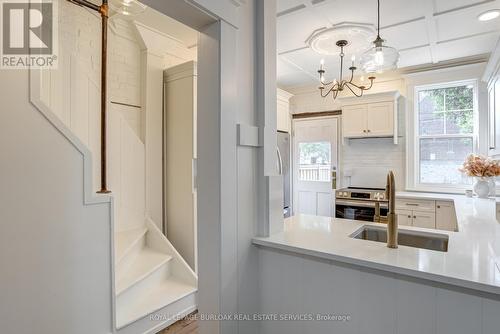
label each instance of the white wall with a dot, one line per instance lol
(55, 246)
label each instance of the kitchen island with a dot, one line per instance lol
(315, 266)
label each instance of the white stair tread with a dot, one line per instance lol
(146, 262)
(155, 299)
(126, 239)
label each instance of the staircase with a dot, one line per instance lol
(154, 286)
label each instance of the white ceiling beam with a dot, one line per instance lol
(432, 33)
(301, 69)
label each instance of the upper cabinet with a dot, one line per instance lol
(492, 77)
(283, 109)
(371, 116)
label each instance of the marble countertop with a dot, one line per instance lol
(472, 260)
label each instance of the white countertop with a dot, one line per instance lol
(472, 260)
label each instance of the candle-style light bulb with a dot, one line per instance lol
(321, 64)
(353, 59)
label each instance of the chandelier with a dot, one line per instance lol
(335, 87)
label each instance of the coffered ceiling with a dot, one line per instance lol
(424, 31)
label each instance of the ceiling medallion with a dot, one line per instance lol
(359, 35)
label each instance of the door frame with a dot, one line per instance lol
(340, 178)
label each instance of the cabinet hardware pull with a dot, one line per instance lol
(414, 217)
(412, 204)
(409, 216)
(439, 206)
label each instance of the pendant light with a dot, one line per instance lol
(379, 57)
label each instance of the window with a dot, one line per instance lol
(315, 161)
(444, 133)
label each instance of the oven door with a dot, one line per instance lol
(358, 210)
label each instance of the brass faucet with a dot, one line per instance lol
(392, 219)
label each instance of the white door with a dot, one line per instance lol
(315, 166)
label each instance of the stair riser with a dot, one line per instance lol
(141, 288)
(124, 263)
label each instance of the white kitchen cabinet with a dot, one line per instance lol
(425, 213)
(446, 217)
(424, 219)
(354, 121)
(283, 119)
(380, 119)
(371, 116)
(405, 217)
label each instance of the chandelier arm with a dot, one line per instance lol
(352, 91)
(371, 84)
(324, 95)
(352, 75)
(352, 84)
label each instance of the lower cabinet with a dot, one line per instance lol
(405, 217)
(439, 215)
(446, 218)
(416, 218)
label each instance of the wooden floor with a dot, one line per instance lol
(188, 325)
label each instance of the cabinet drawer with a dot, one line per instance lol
(424, 219)
(416, 204)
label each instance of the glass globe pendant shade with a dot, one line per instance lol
(127, 7)
(379, 58)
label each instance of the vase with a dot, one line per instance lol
(482, 187)
(493, 187)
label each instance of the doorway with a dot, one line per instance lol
(315, 165)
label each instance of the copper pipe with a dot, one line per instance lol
(104, 11)
(104, 60)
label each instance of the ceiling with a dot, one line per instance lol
(424, 31)
(165, 24)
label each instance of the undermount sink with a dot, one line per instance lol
(417, 239)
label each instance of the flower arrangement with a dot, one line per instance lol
(480, 166)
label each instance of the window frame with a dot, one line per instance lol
(441, 187)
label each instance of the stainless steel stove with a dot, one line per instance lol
(367, 194)
(366, 204)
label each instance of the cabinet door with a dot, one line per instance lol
(405, 217)
(446, 218)
(380, 119)
(424, 219)
(354, 121)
